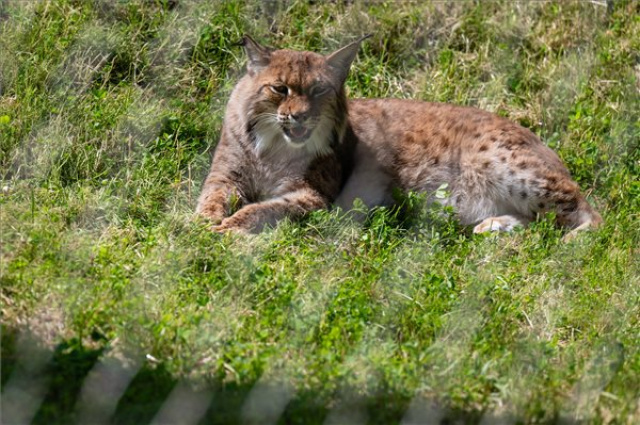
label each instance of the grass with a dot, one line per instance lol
(108, 114)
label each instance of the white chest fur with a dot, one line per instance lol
(277, 169)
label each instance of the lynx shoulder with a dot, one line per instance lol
(291, 143)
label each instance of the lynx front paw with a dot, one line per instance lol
(229, 224)
(222, 228)
(504, 223)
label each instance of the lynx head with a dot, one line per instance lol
(295, 98)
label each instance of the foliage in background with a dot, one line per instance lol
(109, 112)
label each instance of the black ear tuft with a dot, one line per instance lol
(342, 59)
(259, 56)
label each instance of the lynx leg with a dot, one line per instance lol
(216, 203)
(505, 223)
(254, 217)
(368, 182)
(584, 217)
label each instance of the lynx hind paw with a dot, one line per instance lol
(504, 223)
(591, 224)
(222, 228)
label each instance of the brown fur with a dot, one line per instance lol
(291, 144)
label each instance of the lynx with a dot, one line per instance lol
(292, 143)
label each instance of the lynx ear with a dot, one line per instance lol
(259, 56)
(341, 59)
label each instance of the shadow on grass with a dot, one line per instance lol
(69, 365)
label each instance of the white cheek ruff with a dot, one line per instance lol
(267, 134)
(270, 138)
(319, 142)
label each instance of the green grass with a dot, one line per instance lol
(108, 114)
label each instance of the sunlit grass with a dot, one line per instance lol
(108, 114)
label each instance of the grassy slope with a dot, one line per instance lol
(108, 110)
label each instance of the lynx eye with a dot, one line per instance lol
(317, 91)
(282, 90)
